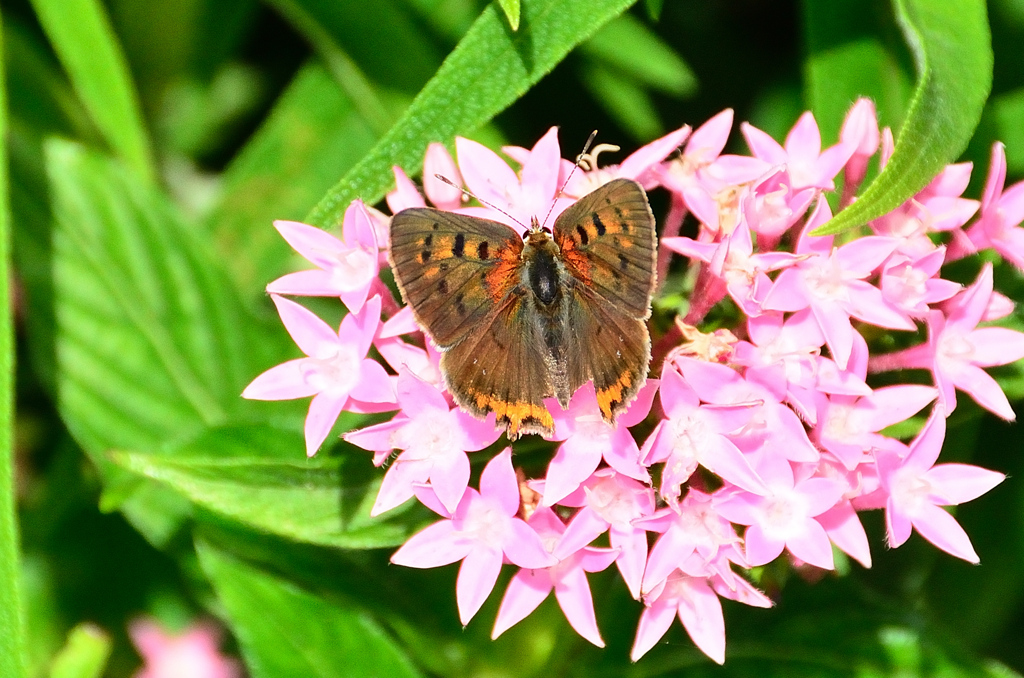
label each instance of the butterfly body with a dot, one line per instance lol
(520, 320)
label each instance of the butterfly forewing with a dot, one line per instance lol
(607, 241)
(452, 269)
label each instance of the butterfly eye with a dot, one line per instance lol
(546, 230)
(526, 233)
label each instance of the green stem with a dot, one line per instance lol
(11, 657)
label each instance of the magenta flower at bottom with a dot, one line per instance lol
(483, 530)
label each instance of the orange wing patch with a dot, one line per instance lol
(609, 398)
(505, 274)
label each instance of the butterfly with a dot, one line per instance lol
(521, 319)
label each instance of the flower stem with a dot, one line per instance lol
(11, 657)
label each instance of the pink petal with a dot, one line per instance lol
(672, 548)
(405, 195)
(418, 397)
(361, 327)
(281, 382)
(898, 525)
(996, 176)
(845, 530)
(654, 152)
(315, 282)
(763, 146)
(925, 448)
(654, 622)
(641, 405)
(701, 615)
(892, 404)
(374, 385)
(433, 546)
(985, 390)
(835, 325)
(585, 527)
(439, 161)
(498, 483)
(725, 460)
(323, 412)
(477, 433)
(573, 594)
(761, 549)
(709, 139)
(803, 143)
(316, 245)
(524, 547)
(449, 478)
(812, 546)
(525, 592)
(958, 483)
(378, 437)
(477, 576)
(971, 305)
(632, 545)
(996, 346)
(310, 333)
(397, 486)
(486, 174)
(942, 530)
(539, 175)
(568, 470)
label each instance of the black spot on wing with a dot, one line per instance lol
(460, 246)
(460, 307)
(584, 238)
(428, 240)
(424, 256)
(442, 286)
(481, 250)
(623, 261)
(598, 224)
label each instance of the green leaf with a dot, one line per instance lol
(312, 135)
(286, 631)
(1008, 110)
(628, 45)
(84, 655)
(12, 641)
(258, 477)
(491, 67)
(511, 10)
(89, 51)
(625, 101)
(951, 44)
(848, 59)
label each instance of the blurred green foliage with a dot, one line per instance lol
(151, 144)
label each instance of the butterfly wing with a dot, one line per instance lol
(453, 270)
(608, 244)
(501, 367)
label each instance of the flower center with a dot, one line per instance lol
(843, 424)
(955, 348)
(613, 502)
(825, 279)
(486, 523)
(910, 491)
(353, 268)
(783, 515)
(336, 372)
(430, 436)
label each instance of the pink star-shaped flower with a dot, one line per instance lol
(611, 502)
(917, 489)
(1002, 211)
(346, 268)
(335, 371)
(434, 439)
(696, 604)
(567, 579)
(588, 439)
(808, 165)
(483, 530)
(785, 517)
(958, 349)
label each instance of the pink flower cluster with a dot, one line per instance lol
(777, 411)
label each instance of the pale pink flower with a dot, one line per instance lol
(911, 284)
(434, 439)
(695, 434)
(483, 530)
(691, 527)
(831, 281)
(192, 653)
(808, 165)
(1002, 211)
(848, 426)
(346, 268)
(860, 130)
(958, 349)
(917, 489)
(529, 194)
(610, 502)
(587, 439)
(335, 371)
(698, 608)
(441, 194)
(785, 517)
(771, 206)
(405, 195)
(568, 579)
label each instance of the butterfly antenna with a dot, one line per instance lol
(478, 199)
(576, 165)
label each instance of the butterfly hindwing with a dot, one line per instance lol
(500, 367)
(607, 242)
(454, 270)
(609, 346)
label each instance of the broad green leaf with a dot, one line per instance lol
(11, 637)
(491, 67)
(84, 655)
(286, 631)
(951, 44)
(511, 10)
(259, 477)
(628, 45)
(849, 58)
(89, 51)
(312, 135)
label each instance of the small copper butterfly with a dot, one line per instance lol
(519, 320)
